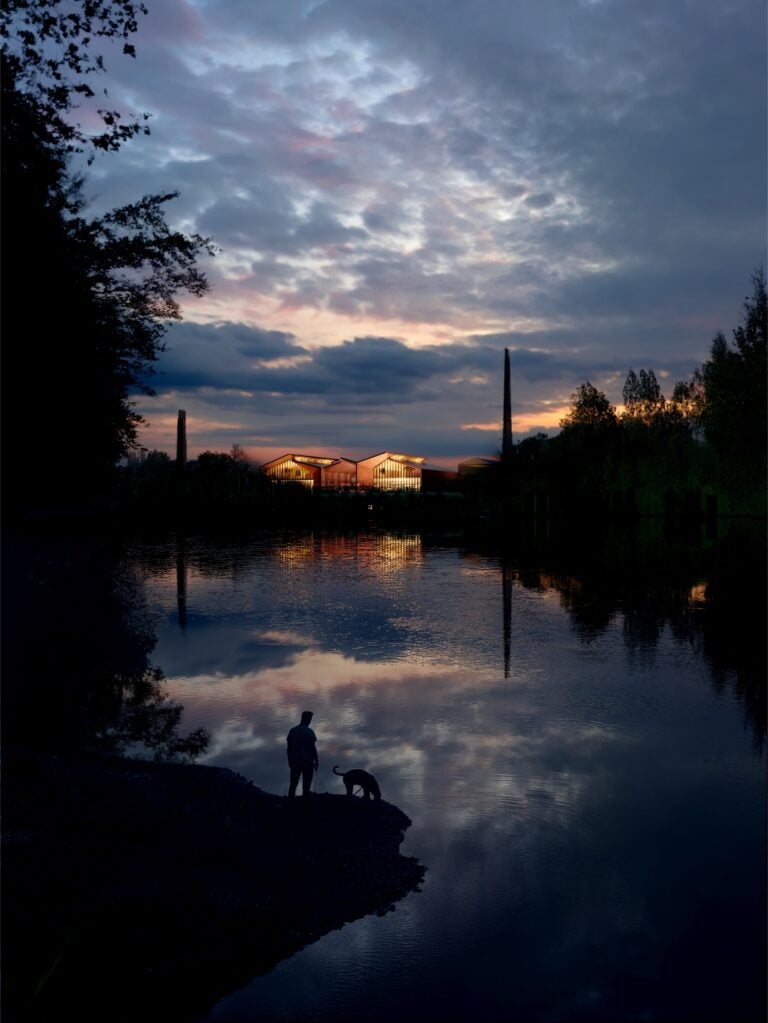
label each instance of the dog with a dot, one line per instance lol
(366, 781)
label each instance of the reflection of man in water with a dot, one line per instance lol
(302, 755)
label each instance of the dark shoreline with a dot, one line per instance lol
(134, 889)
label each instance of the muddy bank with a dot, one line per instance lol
(138, 890)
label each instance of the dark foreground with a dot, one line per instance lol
(139, 890)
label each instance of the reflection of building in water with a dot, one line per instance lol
(388, 552)
(381, 554)
(389, 470)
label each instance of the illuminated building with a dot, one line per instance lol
(311, 471)
(390, 471)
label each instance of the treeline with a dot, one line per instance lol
(693, 456)
(701, 451)
(220, 488)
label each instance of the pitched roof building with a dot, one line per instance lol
(311, 470)
(390, 470)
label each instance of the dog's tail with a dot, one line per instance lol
(337, 771)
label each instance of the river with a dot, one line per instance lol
(580, 751)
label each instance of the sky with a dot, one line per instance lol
(400, 189)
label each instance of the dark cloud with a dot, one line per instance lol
(219, 355)
(540, 200)
(586, 180)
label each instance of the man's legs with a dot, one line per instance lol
(306, 779)
(295, 775)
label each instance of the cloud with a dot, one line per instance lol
(585, 180)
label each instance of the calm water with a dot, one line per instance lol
(585, 785)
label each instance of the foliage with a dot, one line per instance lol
(642, 396)
(76, 656)
(589, 408)
(105, 287)
(47, 50)
(733, 382)
(700, 451)
(141, 719)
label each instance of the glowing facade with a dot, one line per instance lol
(388, 470)
(311, 471)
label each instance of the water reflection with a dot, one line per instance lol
(181, 582)
(590, 812)
(506, 589)
(722, 615)
(76, 654)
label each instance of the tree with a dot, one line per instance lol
(47, 51)
(589, 408)
(103, 289)
(239, 455)
(642, 396)
(733, 379)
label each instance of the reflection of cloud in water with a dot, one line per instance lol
(232, 736)
(430, 732)
(284, 638)
(573, 817)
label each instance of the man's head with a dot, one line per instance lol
(306, 717)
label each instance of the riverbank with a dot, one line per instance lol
(131, 886)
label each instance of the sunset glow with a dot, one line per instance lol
(397, 197)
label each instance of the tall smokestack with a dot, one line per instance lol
(506, 430)
(181, 440)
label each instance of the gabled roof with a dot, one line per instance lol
(315, 461)
(318, 460)
(397, 457)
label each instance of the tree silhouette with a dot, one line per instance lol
(733, 381)
(589, 407)
(48, 53)
(102, 289)
(642, 396)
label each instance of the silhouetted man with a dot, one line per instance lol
(302, 755)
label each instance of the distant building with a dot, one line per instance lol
(311, 471)
(342, 472)
(390, 470)
(471, 466)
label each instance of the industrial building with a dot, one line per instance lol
(388, 470)
(312, 471)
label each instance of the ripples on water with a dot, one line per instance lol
(588, 804)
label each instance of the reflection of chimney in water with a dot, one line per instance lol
(181, 583)
(506, 598)
(181, 440)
